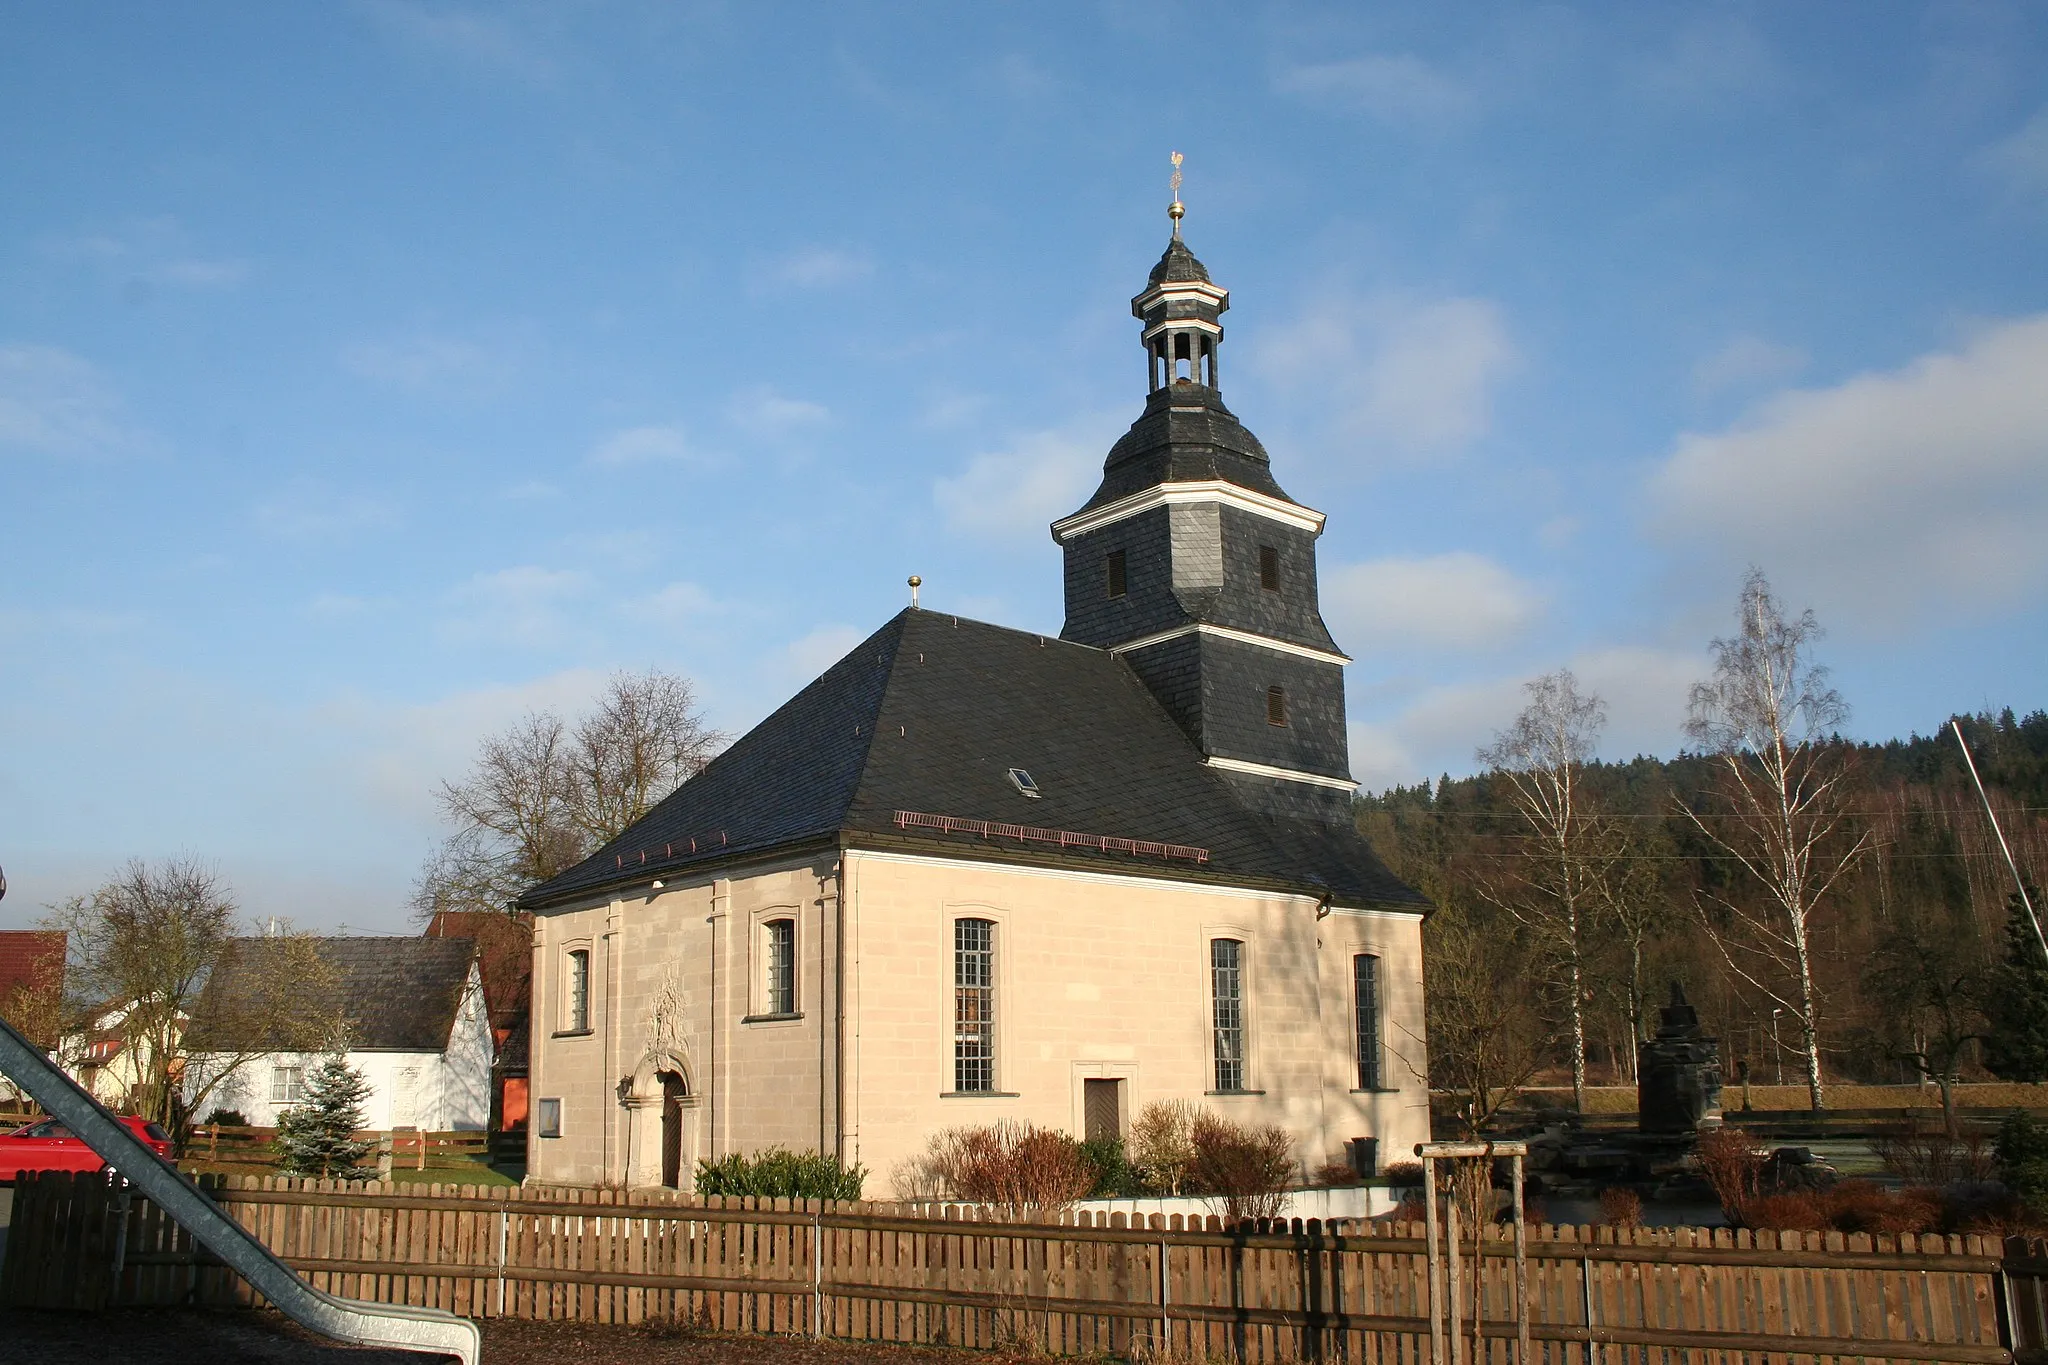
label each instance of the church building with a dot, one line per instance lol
(973, 874)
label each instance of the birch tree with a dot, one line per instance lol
(1782, 812)
(1557, 883)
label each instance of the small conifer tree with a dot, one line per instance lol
(316, 1136)
(2016, 1046)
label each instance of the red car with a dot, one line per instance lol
(47, 1145)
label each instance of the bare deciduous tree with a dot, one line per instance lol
(1558, 884)
(543, 793)
(1486, 1038)
(1766, 713)
(142, 949)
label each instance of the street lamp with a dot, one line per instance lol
(1777, 1047)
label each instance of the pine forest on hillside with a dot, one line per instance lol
(1921, 966)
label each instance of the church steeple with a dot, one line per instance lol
(1192, 563)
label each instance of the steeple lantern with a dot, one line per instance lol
(1182, 312)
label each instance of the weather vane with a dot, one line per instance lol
(1175, 209)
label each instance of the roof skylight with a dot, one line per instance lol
(1021, 780)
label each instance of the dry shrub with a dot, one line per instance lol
(1923, 1154)
(1337, 1173)
(1405, 1173)
(1621, 1208)
(1734, 1166)
(1852, 1206)
(1411, 1209)
(1014, 1166)
(1162, 1144)
(1248, 1166)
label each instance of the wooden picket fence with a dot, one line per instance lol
(1083, 1285)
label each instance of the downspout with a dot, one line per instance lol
(848, 1022)
(538, 1029)
(721, 1023)
(614, 971)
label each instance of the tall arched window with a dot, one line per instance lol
(1226, 990)
(974, 1005)
(1365, 1008)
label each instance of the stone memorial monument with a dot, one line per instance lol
(1678, 1073)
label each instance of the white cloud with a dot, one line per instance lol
(148, 251)
(55, 403)
(337, 606)
(1015, 494)
(2021, 160)
(1414, 375)
(1440, 729)
(435, 366)
(762, 412)
(1458, 600)
(474, 38)
(1887, 495)
(1716, 61)
(673, 605)
(1746, 362)
(398, 753)
(820, 267)
(315, 513)
(525, 606)
(819, 650)
(640, 445)
(1395, 88)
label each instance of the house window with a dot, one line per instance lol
(1365, 1004)
(576, 1016)
(1276, 706)
(1114, 572)
(547, 1118)
(1269, 568)
(780, 996)
(287, 1084)
(1226, 990)
(974, 1005)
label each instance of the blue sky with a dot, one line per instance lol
(370, 373)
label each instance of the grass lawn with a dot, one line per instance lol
(445, 1170)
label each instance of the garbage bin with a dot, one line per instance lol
(1365, 1157)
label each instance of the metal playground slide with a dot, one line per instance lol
(364, 1324)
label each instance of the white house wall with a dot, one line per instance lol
(452, 1089)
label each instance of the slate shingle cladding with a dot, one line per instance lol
(1185, 435)
(928, 715)
(397, 994)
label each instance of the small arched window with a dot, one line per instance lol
(576, 993)
(779, 994)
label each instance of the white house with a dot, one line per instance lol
(418, 1032)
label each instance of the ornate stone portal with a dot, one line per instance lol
(1678, 1073)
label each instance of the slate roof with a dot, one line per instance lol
(1185, 435)
(928, 715)
(398, 994)
(1178, 265)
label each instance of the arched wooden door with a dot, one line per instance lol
(673, 1092)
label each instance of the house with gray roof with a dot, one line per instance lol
(415, 1021)
(973, 874)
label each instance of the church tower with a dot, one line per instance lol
(1192, 564)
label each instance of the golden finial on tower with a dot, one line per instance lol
(1176, 209)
